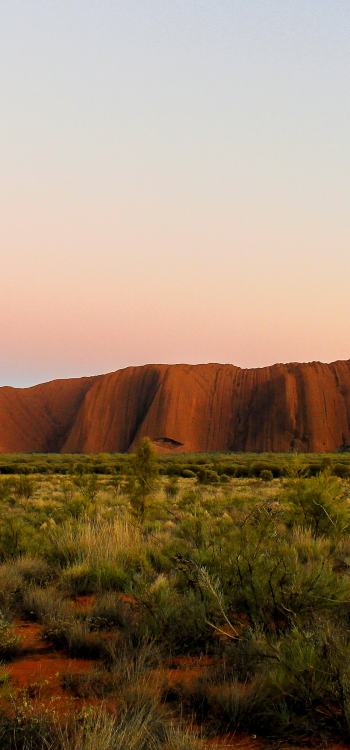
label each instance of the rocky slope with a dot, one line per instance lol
(210, 407)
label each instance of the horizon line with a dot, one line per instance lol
(177, 364)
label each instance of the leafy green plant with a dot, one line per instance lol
(88, 485)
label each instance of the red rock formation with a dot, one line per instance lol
(183, 408)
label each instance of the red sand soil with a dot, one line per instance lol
(87, 601)
(39, 670)
(183, 408)
(45, 670)
(183, 671)
(31, 636)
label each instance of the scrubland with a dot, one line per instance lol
(145, 604)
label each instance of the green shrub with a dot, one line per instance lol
(87, 485)
(110, 611)
(171, 489)
(77, 506)
(319, 503)
(6, 488)
(24, 487)
(143, 476)
(33, 570)
(175, 620)
(266, 475)
(225, 478)
(46, 604)
(83, 578)
(207, 476)
(14, 537)
(274, 577)
(298, 682)
(257, 467)
(341, 470)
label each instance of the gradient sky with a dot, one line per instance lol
(174, 183)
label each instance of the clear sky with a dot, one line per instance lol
(174, 183)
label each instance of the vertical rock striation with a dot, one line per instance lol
(209, 407)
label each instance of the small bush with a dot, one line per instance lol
(172, 487)
(33, 570)
(87, 485)
(207, 476)
(24, 487)
(6, 488)
(98, 684)
(110, 612)
(83, 578)
(177, 621)
(10, 587)
(266, 475)
(319, 503)
(46, 604)
(341, 470)
(9, 642)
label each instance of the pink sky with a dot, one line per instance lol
(174, 185)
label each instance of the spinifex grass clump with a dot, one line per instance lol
(139, 726)
(94, 541)
(96, 554)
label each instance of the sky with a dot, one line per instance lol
(174, 184)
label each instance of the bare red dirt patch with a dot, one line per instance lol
(39, 668)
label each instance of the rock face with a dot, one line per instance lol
(212, 407)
